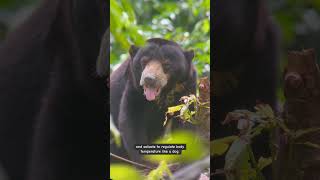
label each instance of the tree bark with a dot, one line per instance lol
(297, 159)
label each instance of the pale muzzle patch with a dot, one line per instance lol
(153, 79)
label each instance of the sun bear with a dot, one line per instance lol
(245, 56)
(144, 86)
(52, 103)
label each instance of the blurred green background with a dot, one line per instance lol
(186, 22)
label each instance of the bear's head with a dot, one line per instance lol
(159, 66)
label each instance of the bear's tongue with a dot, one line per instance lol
(150, 93)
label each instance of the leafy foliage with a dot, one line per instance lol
(240, 162)
(159, 172)
(185, 21)
(184, 111)
(195, 149)
(220, 146)
(124, 171)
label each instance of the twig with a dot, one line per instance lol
(131, 162)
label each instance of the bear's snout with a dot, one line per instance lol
(151, 86)
(153, 75)
(153, 79)
(150, 81)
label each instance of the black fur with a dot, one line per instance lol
(140, 121)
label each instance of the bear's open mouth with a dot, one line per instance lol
(151, 93)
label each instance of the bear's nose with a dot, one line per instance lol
(150, 81)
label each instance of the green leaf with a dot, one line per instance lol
(219, 146)
(237, 161)
(264, 162)
(123, 171)
(158, 173)
(185, 113)
(265, 111)
(236, 152)
(174, 109)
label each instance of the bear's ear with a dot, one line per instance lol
(133, 50)
(189, 55)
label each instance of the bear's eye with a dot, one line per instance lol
(166, 66)
(144, 61)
